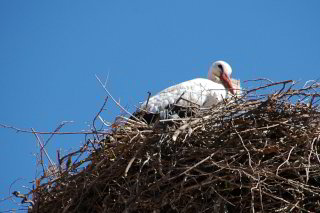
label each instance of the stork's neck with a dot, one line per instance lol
(215, 79)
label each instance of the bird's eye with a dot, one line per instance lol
(220, 66)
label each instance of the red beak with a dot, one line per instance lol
(227, 82)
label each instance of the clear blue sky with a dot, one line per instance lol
(50, 51)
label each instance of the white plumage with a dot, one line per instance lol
(198, 92)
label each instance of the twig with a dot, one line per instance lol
(49, 133)
(286, 161)
(134, 157)
(128, 166)
(56, 130)
(259, 79)
(269, 85)
(149, 94)
(98, 114)
(114, 100)
(244, 146)
(309, 159)
(194, 166)
(42, 147)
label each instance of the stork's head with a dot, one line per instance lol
(220, 72)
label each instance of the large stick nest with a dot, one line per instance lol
(255, 153)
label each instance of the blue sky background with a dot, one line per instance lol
(51, 50)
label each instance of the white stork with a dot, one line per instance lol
(198, 92)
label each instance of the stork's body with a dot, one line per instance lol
(198, 92)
